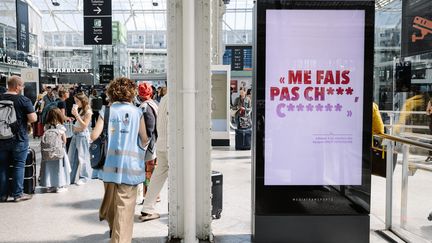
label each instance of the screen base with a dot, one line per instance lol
(312, 229)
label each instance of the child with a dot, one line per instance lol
(55, 173)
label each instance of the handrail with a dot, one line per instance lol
(407, 126)
(405, 141)
(420, 167)
(403, 112)
(389, 142)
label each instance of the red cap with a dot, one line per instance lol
(145, 91)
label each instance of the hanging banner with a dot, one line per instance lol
(314, 97)
(22, 26)
(416, 27)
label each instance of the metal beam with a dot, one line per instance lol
(67, 25)
(122, 11)
(235, 32)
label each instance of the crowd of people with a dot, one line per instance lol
(136, 154)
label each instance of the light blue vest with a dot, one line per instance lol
(124, 163)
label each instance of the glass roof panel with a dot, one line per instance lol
(134, 14)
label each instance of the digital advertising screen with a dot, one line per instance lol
(314, 96)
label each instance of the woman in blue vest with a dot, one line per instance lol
(124, 165)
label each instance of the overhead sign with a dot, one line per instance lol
(97, 7)
(67, 70)
(97, 22)
(22, 26)
(240, 57)
(314, 97)
(416, 27)
(403, 76)
(237, 57)
(4, 58)
(106, 73)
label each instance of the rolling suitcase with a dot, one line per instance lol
(243, 139)
(38, 128)
(217, 182)
(29, 173)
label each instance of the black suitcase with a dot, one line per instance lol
(29, 173)
(243, 139)
(217, 181)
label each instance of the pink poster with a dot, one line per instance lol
(314, 97)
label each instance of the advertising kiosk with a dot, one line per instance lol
(312, 126)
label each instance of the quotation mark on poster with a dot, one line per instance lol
(282, 80)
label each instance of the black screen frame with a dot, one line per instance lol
(332, 199)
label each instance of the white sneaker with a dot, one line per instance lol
(80, 183)
(61, 189)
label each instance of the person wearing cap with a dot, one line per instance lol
(150, 110)
(160, 174)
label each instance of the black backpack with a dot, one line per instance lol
(97, 103)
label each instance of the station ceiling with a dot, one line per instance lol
(139, 15)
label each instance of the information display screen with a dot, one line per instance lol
(314, 97)
(313, 85)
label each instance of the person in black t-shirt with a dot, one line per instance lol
(14, 151)
(70, 102)
(61, 104)
(104, 97)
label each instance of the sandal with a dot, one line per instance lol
(146, 216)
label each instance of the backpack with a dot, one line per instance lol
(47, 108)
(151, 149)
(52, 145)
(97, 103)
(8, 119)
(98, 148)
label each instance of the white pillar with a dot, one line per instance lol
(175, 119)
(217, 13)
(203, 119)
(189, 164)
(189, 135)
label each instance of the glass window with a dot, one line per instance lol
(58, 40)
(159, 40)
(68, 40)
